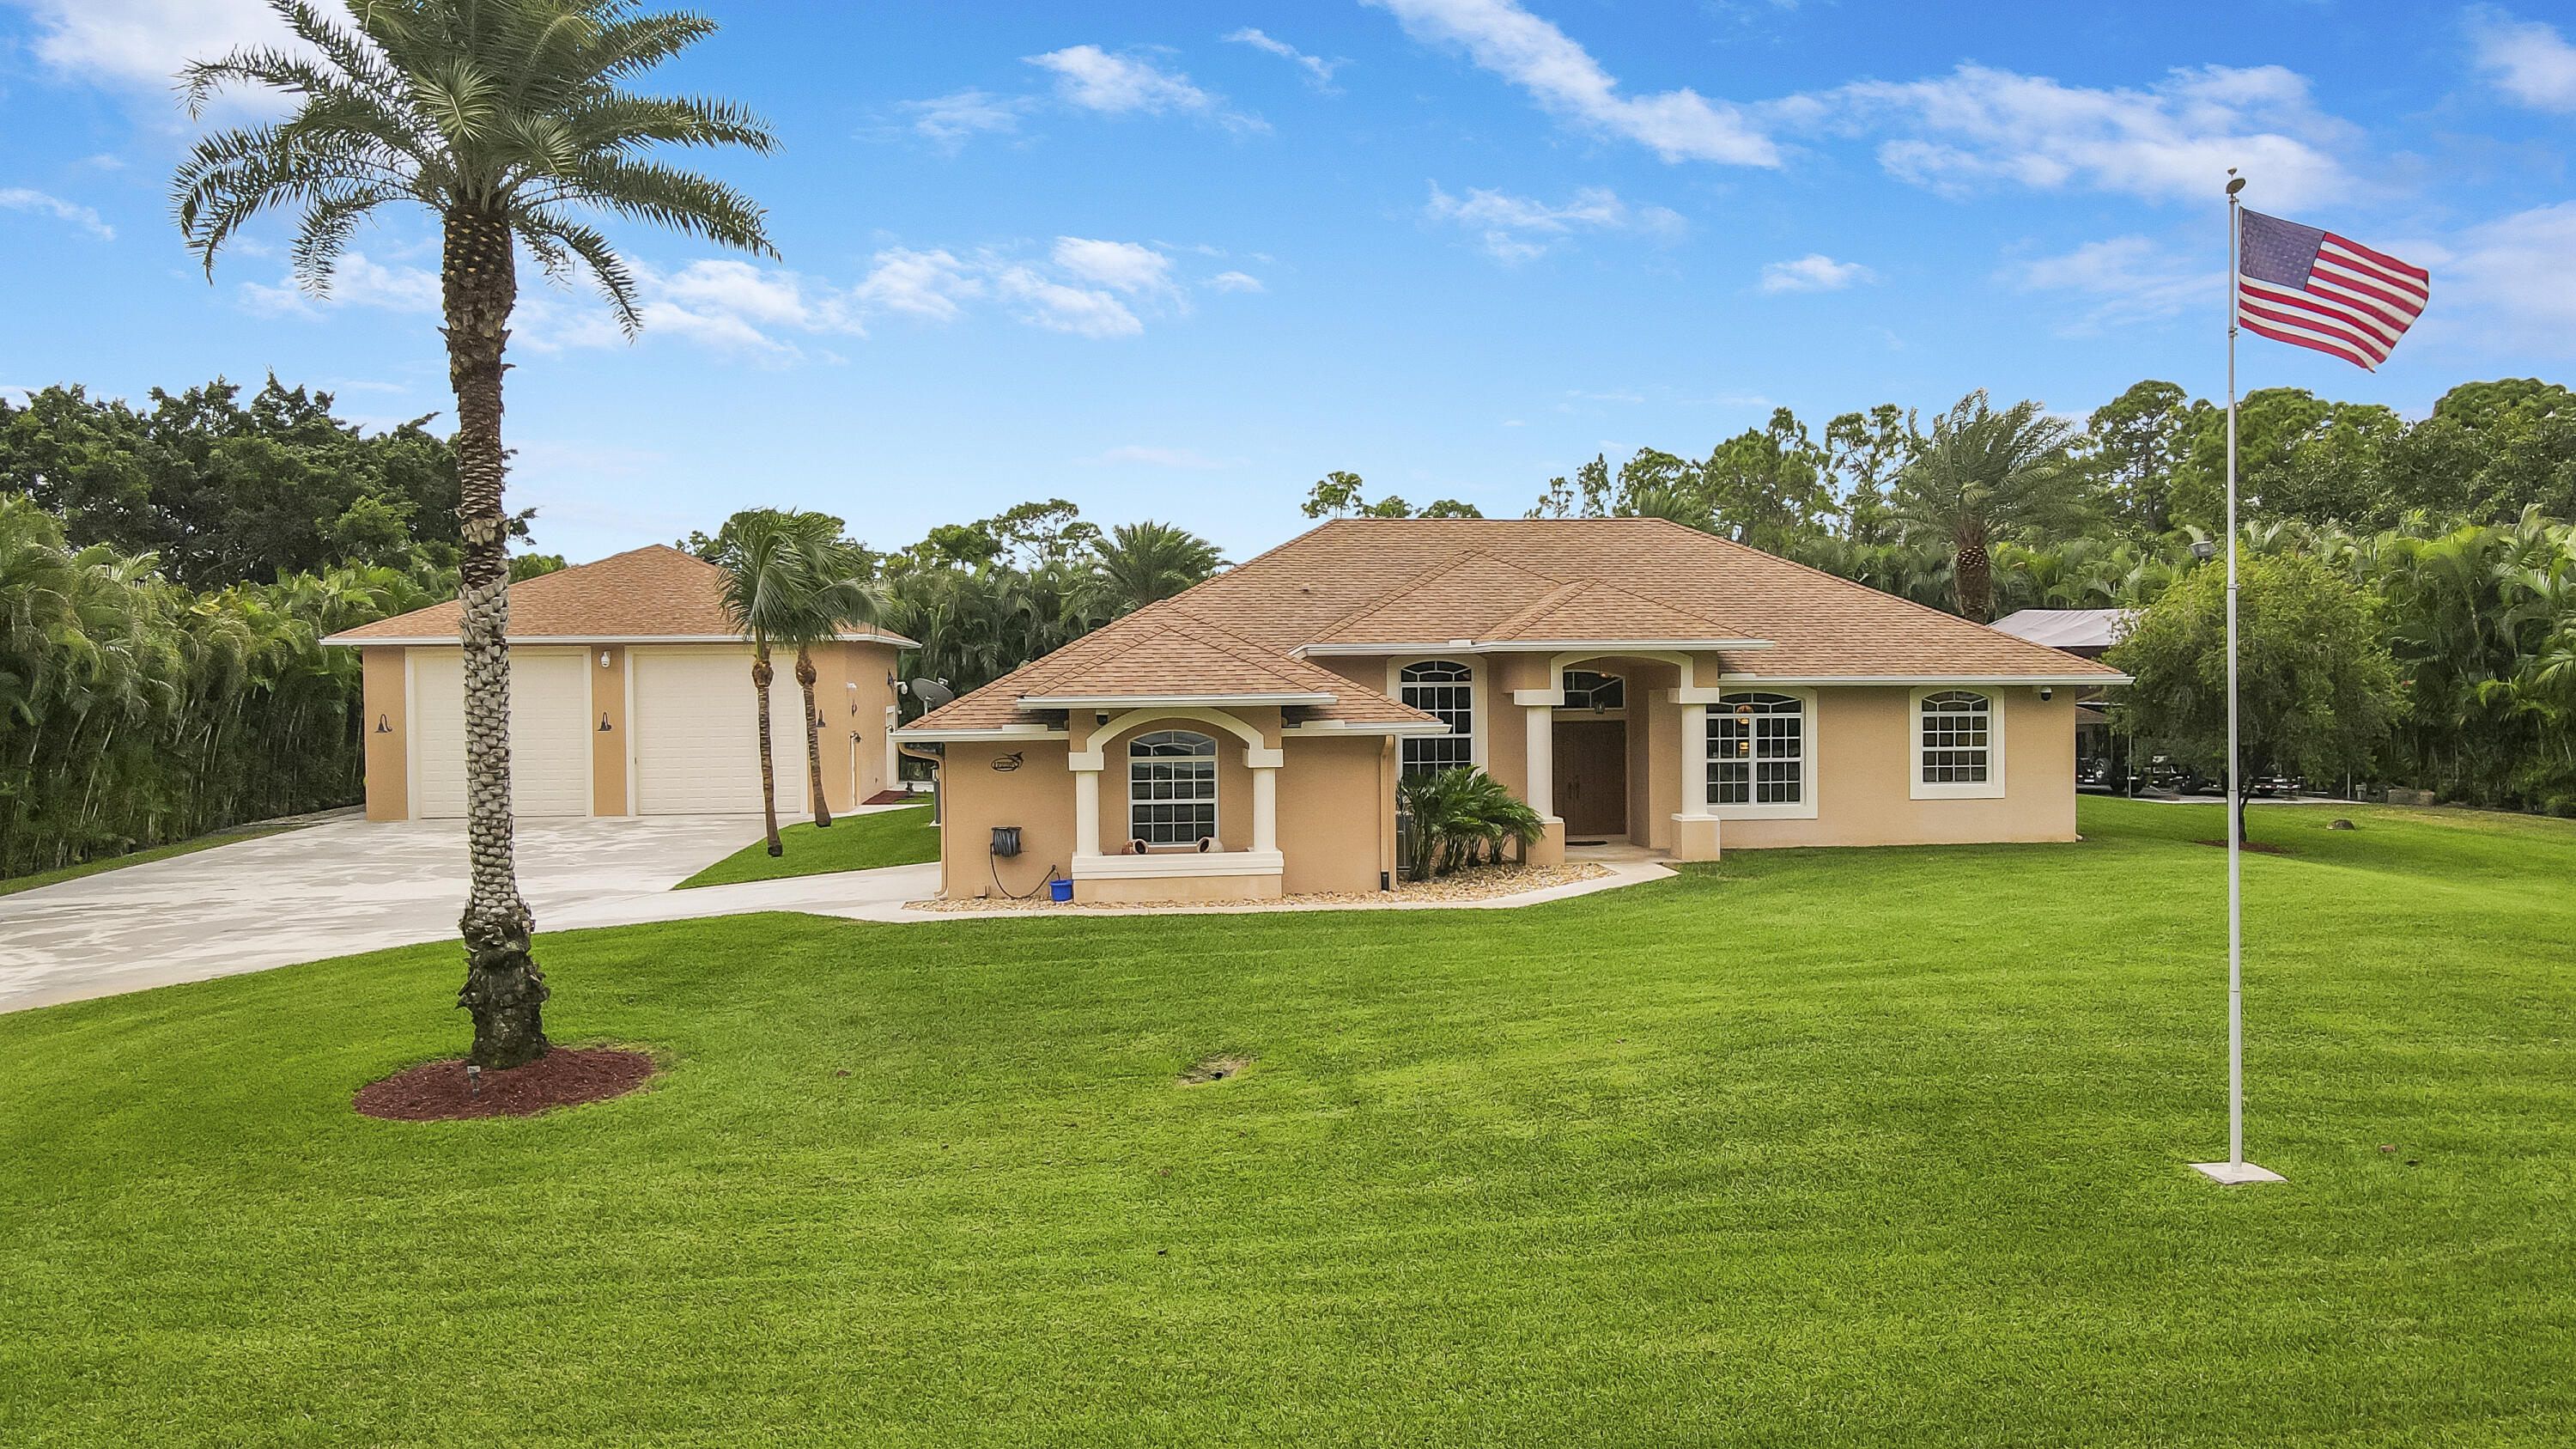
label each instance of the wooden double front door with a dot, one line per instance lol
(1591, 768)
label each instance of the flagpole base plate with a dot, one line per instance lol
(2234, 1173)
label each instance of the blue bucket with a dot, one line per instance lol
(1060, 890)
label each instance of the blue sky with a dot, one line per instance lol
(1179, 261)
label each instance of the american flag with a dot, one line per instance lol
(2311, 288)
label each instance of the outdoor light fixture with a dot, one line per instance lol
(603, 659)
(854, 696)
(383, 725)
(603, 721)
(2045, 692)
(2204, 549)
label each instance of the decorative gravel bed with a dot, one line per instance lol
(1480, 883)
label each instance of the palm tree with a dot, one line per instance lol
(506, 119)
(1985, 475)
(1144, 563)
(790, 582)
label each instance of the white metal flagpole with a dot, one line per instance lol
(2235, 1168)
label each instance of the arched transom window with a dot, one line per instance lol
(1171, 787)
(1446, 689)
(1587, 689)
(1957, 737)
(1757, 750)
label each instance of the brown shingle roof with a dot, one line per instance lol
(646, 593)
(1502, 582)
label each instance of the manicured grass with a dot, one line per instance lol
(15, 884)
(855, 842)
(1804, 1148)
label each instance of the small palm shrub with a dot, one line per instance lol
(1464, 817)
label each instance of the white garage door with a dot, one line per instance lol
(697, 734)
(549, 732)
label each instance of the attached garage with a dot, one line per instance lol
(630, 694)
(549, 733)
(697, 733)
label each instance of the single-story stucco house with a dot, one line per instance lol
(1635, 680)
(630, 694)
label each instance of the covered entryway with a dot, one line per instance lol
(549, 733)
(1591, 767)
(697, 733)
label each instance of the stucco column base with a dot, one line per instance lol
(1695, 837)
(1550, 849)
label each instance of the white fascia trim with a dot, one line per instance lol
(1364, 727)
(1178, 864)
(1437, 648)
(1167, 701)
(1004, 732)
(1928, 681)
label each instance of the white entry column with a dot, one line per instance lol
(1694, 827)
(1086, 801)
(1542, 759)
(1265, 796)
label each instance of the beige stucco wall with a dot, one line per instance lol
(608, 747)
(1036, 796)
(1865, 760)
(388, 763)
(853, 769)
(1332, 815)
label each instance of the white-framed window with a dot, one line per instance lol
(1171, 787)
(1446, 689)
(1958, 744)
(1761, 756)
(1597, 692)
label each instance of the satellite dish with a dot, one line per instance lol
(931, 692)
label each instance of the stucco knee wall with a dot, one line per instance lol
(1864, 762)
(1017, 782)
(1334, 813)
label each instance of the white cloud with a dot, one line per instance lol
(2503, 284)
(2171, 141)
(1814, 272)
(1517, 228)
(358, 281)
(2528, 59)
(1319, 71)
(1161, 458)
(1094, 80)
(1500, 36)
(1125, 266)
(1061, 308)
(918, 284)
(145, 41)
(953, 120)
(19, 198)
(2124, 280)
(1236, 282)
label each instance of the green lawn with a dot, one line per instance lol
(1805, 1148)
(855, 842)
(15, 884)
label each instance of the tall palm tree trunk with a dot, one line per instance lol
(761, 675)
(1973, 580)
(813, 744)
(503, 988)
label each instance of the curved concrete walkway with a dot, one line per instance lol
(338, 889)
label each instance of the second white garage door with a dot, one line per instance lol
(697, 733)
(549, 734)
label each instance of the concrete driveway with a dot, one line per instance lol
(336, 889)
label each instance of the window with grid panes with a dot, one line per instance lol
(1171, 787)
(1956, 737)
(1757, 750)
(1446, 689)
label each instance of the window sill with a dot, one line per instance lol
(1982, 790)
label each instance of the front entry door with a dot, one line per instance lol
(1592, 777)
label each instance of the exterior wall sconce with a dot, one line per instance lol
(2047, 693)
(603, 659)
(603, 721)
(384, 726)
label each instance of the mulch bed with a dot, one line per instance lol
(2250, 845)
(563, 1077)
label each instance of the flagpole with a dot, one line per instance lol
(2235, 1169)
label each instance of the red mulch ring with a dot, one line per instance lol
(2250, 845)
(563, 1077)
(892, 797)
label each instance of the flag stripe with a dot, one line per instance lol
(2311, 288)
(2390, 328)
(2281, 322)
(2407, 270)
(2319, 344)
